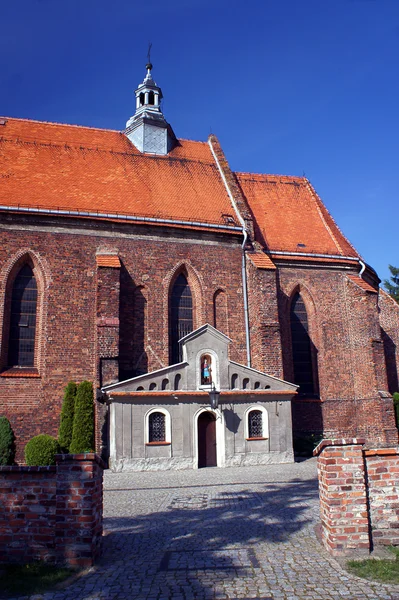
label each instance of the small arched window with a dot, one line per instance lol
(141, 99)
(255, 424)
(245, 383)
(21, 345)
(301, 346)
(156, 427)
(165, 383)
(234, 381)
(181, 316)
(151, 98)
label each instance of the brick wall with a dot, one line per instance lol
(265, 334)
(54, 513)
(343, 500)
(81, 310)
(348, 355)
(382, 469)
(389, 316)
(359, 495)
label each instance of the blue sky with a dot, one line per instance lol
(288, 86)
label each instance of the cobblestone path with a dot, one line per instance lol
(216, 533)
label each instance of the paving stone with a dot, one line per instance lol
(216, 533)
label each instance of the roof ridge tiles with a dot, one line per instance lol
(275, 176)
(57, 124)
(100, 148)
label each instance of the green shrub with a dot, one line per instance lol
(66, 420)
(41, 450)
(396, 407)
(7, 445)
(83, 421)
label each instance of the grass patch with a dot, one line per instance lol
(33, 578)
(383, 569)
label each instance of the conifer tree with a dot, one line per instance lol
(66, 420)
(7, 445)
(392, 287)
(83, 420)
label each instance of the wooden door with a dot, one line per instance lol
(207, 440)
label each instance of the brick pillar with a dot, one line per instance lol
(266, 352)
(382, 476)
(108, 298)
(108, 292)
(343, 497)
(79, 508)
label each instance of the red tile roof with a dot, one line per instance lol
(108, 260)
(56, 167)
(363, 284)
(290, 216)
(262, 261)
(53, 166)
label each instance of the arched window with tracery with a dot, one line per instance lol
(301, 347)
(181, 316)
(21, 342)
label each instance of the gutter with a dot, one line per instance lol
(117, 216)
(243, 259)
(314, 255)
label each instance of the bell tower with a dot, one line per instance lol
(148, 129)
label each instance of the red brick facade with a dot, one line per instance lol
(52, 514)
(116, 229)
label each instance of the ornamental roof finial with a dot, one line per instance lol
(149, 64)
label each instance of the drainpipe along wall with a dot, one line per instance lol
(243, 259)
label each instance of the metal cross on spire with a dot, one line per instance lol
(149, 65)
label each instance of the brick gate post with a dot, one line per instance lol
(79, 508)
(343, 496)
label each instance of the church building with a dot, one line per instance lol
(223, 317)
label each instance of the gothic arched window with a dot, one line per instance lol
(181, 315)
(21, 344)
(301, 346)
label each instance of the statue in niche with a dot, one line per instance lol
(206, 370)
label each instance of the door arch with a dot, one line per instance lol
(206, 440)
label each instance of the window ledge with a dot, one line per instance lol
(256, 438)
(158, 444)
(20, 372)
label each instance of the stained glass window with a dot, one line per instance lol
(21, 348)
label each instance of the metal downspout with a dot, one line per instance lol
(243, 261)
